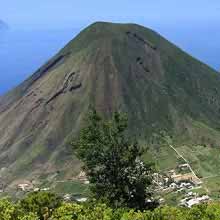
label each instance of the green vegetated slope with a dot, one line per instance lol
(123, 67)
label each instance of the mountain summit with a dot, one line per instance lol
(112, 67)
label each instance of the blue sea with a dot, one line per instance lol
(23, 52)
(201, 41)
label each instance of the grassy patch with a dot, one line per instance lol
(163, 157)
(73, 187)
(173, 198)
(199, 191)
(212, 184)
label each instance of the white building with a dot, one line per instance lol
(195, 201)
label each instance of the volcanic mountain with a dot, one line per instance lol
(111, 67)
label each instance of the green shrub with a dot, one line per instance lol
(37, 206)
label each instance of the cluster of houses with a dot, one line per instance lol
(82, 177)
(183, 181)
(180, 182)
(177, 181)
(77, 198)
(193, 199)
(28, 186)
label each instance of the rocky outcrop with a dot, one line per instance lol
(141, 39)
(70, 83)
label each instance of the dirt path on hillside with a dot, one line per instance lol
(181, 156)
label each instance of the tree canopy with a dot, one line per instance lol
(113, 162)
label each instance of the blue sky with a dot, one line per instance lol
(44, 14)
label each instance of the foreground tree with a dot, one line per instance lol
(7, 209)
(41, 203)
(113, 163)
